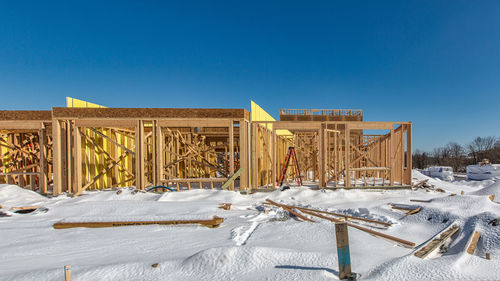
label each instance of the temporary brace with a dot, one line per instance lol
(290, 153)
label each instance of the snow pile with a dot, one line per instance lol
(14, 196)
(255, 242)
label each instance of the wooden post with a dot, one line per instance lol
(78, 159)
(139, 155)
(57, 161)
(392, 156)
(243, 143)
(408, 154)
(274, 160)
(347, 164)
(69, 158)
(322, 156)
(67, 273)
(343, 250)
(42, 177)
(231, 151)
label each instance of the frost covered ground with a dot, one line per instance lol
(254, 242)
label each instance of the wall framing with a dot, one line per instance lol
(75, 149)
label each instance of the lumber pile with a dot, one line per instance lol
(211, 223)
(425, 185)
(336, 218)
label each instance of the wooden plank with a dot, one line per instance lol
(436, 242)
(290, 210)
(211, 223)
(473, 242)
(230, 181)
(345, 216)
(24, 208)
(372, 232)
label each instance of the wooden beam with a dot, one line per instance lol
(139, 155)
(231, 151)
(230, 181)
(57, 161)
(43, 178)
(436, 242)
(211, 223)
(290, 210)
(78, 175)
(473, 242)
(347, 152)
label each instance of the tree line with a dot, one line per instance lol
(459, 156)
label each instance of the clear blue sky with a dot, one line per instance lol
(435, 63)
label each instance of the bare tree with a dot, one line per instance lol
(456, 156)
(480, 147)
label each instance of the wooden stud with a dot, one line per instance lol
(67, 272)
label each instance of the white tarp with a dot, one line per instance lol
(441, 172)
(483, 172)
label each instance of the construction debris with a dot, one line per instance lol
(225, 206)
(421, 201)
(318, 214)
(436, 242)
(290, 210)
(212, 223)
(473, 242)
(410, 210)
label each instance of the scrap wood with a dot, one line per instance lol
(212, 223)
(419, 184)
(437, 242)
(473, 242)
(414, 211)
(290, 210)
(225, 206)
(372, 232)
(410, 210)
(421, 201)
(24, 208)
(400, 207)
(344, 216)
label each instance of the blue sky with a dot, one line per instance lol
(435, 63)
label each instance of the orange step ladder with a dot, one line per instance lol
(290, 154)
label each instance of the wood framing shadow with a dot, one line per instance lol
(329, 270)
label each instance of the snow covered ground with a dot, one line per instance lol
(255, 242)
